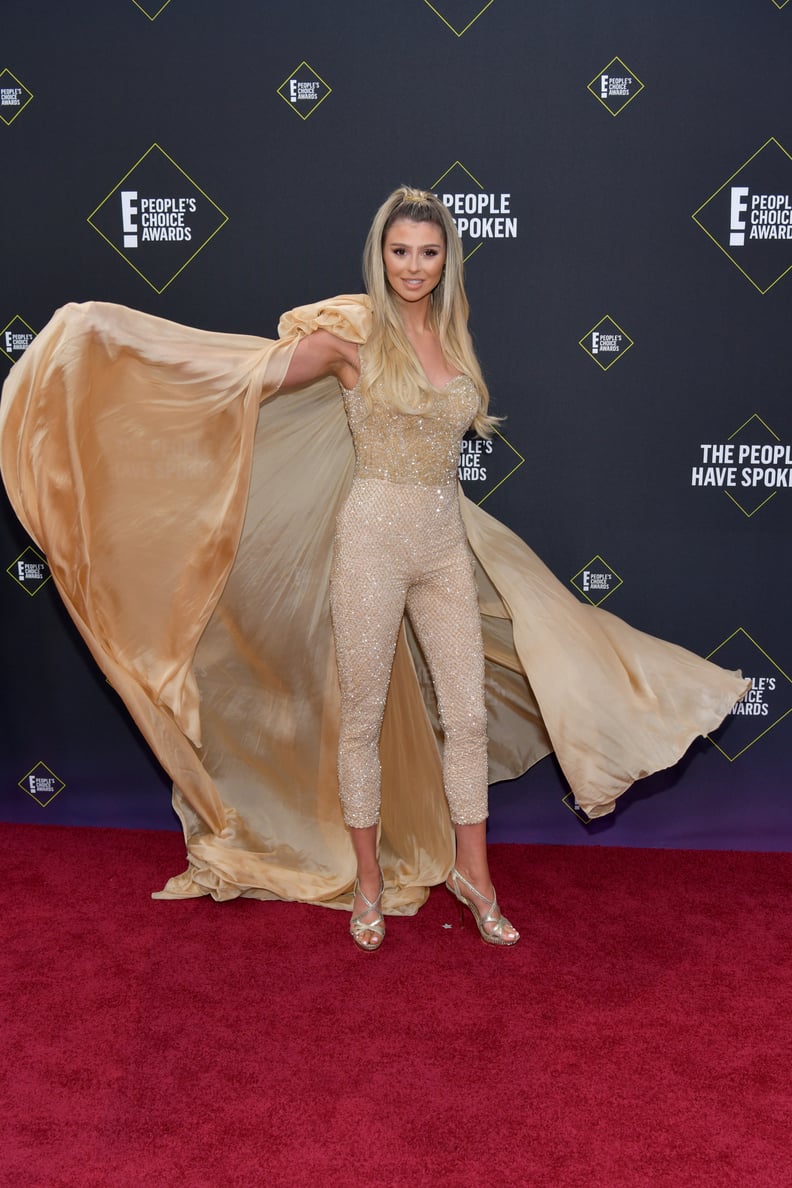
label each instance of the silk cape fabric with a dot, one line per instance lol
(188, 527)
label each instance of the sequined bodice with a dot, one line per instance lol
(420, 448)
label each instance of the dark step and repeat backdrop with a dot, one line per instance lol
(621, 177)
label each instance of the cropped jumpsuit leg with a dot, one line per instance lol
(402, 546)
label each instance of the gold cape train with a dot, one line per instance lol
(186, 510)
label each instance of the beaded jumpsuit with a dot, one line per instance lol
(400, 545)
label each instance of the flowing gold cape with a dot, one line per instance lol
(188, 527)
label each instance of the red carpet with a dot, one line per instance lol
(638, 1035)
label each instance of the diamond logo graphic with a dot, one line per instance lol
(15, 338)
(780, 3)
(30, 571)
(458, 15)
(14, 96)
(765, 463)
(749, 217)
(767, 702)
(485, 465)
(750, 467)
(41, 784)
(478, 215)
(596, 581)
(304, 90)
(152, 8)
(574, 807)
(615, 86)
(157, 218)
(606, 342)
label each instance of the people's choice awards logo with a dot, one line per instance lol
(479, 214)
(157, 218)
(767, 702)
(41, 784)
(596, 581)
(750, 216)
(458, 15)
(569, 800)
(751, 466)
(30, 571)
(15, 338)
(14, 96)
(486, 464)
(615, 86)
(304, 90)
(606, 342)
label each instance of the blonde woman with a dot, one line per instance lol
(192, 516)
(410, 394)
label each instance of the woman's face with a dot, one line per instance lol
(414, 255)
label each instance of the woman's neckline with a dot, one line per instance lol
(432, 387)
(447, 384)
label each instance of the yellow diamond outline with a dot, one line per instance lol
(515, 468)
(759, 506)
(291, 105)
(579, 813)
(19, 83)
(772, 495)
(464, 169)
(767, 656)
(21, 784)
(16, 317)
(30, 593)
(197, 251)
(618, 355)
(436, 183)
(458, 32)
(607, 565)
(783, 4)
(156, 14)
(714, 194)
(627, 102)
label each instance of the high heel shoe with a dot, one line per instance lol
(493, 924)
(358, 927)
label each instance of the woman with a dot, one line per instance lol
(194, 495)
(400, 542)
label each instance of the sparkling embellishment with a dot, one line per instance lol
(400, 545)
(412, 448)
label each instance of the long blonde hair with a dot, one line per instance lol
(391, 362)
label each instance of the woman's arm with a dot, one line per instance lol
(321, 354)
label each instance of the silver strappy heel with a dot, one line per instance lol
(358, 926)
(493, 924)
